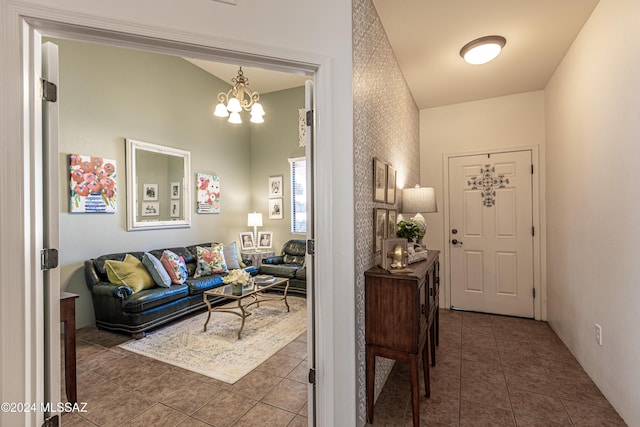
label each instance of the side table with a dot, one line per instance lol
(257, 256)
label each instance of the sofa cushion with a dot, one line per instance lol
(101, 267)
(301, 273)
(210, 261)
(129, 272)
(231, 256)
(280, 270)
(157, 270)
(150, 298)
(198, 285)
(293, 259)
(175, 266)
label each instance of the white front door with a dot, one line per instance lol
(491, 233)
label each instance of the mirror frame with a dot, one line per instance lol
(132, 194)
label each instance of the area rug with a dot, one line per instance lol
(218, 353)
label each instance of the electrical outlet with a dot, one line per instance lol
(599, 334)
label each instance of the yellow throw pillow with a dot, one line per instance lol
(130, 272)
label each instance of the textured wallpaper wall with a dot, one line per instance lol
(386, 126)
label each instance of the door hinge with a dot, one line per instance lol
(309, 118)
(51, 422)
(311, 247)
(48, 259)
(48, 91)
(312, 376)
(533, 230)
(534, 292)
(531, 169)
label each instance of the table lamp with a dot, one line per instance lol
(416, 201)
(255, 220)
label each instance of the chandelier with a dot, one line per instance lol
(237, 99)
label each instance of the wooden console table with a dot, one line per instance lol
(401, 317)
(68, 318)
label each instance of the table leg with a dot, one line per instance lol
(371, 376)
(425, 370)
(413, 368)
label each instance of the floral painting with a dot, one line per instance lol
(92, 184)
(208, 193)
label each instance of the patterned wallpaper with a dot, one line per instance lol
(386, 126)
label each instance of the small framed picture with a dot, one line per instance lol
(149, 192)
(275, 208)
(391, 185)
(394, 254)
(175, 209)
(264, 239)
(175, 190)
(275, 186)
(380, 227)
(393, 223)
(246, 240)
(150, 209)
(379, 180)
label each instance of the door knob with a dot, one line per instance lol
(455, 241)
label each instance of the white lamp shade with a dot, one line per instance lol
(234, 106)
(256, 119)
(254, 219)
(257, 109)
(419, 200)
(235, 118)
(221, 111)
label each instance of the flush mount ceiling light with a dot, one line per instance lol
(482, 50)
(237, 99)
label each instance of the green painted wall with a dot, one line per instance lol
(108, 94)
(272, 144)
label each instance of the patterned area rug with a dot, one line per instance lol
(218, 353)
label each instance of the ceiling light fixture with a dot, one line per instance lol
(482, 50)
(237, 99)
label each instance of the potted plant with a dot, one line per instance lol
(409, 230)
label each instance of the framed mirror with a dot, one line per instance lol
(158, 186)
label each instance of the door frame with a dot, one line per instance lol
(539, 265)
(32, 20)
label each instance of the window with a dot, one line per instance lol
(298, 170)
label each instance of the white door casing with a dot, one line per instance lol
(491, 260)
(51, 227)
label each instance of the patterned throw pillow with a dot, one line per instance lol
(175, 266)
(129, 272)
(210, 261)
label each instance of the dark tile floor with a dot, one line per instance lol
(497, 371)
(121, 388)
(490, 371)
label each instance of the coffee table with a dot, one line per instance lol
(254, 293)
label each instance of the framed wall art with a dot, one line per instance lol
(149, 192)
(175, 190)
(275, 208)
(275, 186)
(379, 180)
(392, 217)
(391, 185)
(175, 209)
(208, 187)
(380, 227)
(92, 184)
(150, 209)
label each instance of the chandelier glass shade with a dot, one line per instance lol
(239, 98)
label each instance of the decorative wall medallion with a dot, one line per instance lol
(488, 182)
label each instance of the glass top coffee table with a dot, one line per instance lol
(248, 295)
